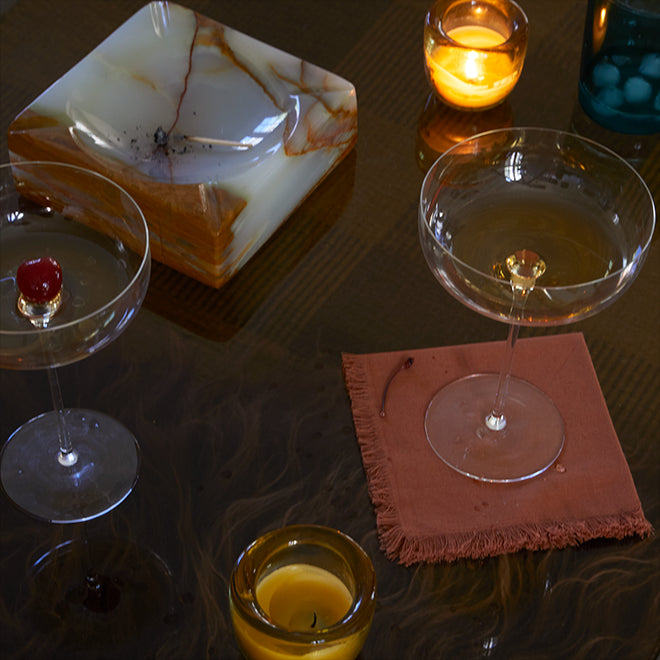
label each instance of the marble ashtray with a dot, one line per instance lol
(151, 108)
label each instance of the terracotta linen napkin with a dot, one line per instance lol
(428, 512)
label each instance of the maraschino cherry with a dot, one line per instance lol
(39, 280)
(40, 284)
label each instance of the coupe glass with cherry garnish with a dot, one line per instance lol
(74, 270)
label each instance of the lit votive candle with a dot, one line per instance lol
(474, 50)
(302, 591)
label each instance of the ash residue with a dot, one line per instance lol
(160, 137)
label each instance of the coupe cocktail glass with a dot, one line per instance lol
(532, 227)
(68, 465)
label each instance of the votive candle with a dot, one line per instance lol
(474, 51)
(303, 591)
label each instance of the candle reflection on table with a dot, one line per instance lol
(440, 127)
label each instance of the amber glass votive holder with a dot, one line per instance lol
(303, 591)
(474, 51)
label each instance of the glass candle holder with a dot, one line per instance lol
(302, 591)
(474, 51)
(620, 68)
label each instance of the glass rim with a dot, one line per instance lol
(504, 46)
(144, 262)
(520, 130)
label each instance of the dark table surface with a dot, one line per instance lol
(237, 398)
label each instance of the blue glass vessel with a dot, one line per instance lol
(620, 68)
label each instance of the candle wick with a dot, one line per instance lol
(314, 621)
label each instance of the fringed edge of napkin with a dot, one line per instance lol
(476, 545)
(379, 480)
(484, 544)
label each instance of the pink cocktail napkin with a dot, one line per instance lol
(427, 512)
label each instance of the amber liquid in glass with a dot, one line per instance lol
(578, 244)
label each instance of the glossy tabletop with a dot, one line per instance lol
(237, 397)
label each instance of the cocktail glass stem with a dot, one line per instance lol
(524, 267)
(67, 455)
(496, 421)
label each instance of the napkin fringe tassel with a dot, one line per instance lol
(481, 545)
(476, 545)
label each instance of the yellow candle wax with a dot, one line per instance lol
(301, 598)
(469, 75)
(476, 36)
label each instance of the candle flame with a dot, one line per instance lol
(472, 68)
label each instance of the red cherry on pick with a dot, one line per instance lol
(39, 280)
